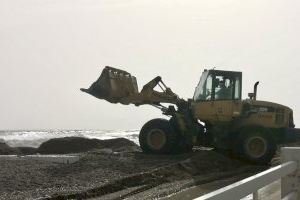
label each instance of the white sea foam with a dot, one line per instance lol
(35, 138)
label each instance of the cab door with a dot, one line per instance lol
(215, 107)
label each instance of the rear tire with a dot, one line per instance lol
(158, 137)
(255, 145)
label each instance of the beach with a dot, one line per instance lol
(114, 169)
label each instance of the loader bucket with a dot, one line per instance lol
(113, 85)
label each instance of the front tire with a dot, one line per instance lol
(158, 137)
(255, 145)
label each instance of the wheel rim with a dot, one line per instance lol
(256, 146)
(156, 139)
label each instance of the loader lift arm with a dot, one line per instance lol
(118, 86)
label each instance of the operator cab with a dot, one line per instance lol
(219, 85)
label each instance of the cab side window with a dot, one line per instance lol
(237, 88)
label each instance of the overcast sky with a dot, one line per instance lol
(51, 48)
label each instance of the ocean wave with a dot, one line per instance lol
(33, 138)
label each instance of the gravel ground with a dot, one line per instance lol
(116, 173)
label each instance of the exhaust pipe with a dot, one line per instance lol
(255, 90)
(253, 95)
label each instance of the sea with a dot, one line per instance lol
(34, 138)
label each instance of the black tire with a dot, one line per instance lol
(255, 145)
(158, 137)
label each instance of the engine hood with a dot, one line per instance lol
(266, 104)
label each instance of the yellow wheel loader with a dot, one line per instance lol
(215, 117)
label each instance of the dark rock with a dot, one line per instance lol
(27, 150)
(79, 144)
(118, 143)
(7, 150)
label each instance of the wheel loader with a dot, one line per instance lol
(216, 116)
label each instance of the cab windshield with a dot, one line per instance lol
(201, 91)
(219, 85)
